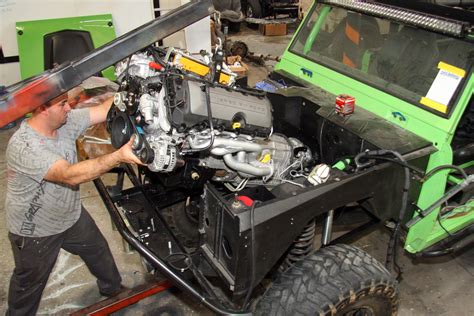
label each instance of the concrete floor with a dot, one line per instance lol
(431, 287)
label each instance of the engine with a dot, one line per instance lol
(180, 107)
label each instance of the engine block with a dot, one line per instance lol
(176, 115)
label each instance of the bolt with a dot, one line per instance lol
(194, 175)
(236, 204)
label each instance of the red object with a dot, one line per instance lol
(345, 104)
(28, 98)
(154, 65)
(124, 299)
(245, 199)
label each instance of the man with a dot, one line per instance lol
(44, 212)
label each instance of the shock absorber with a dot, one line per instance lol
(301, 246)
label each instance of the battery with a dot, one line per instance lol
(345, 104)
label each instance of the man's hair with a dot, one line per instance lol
(57, 99)
(49, 103)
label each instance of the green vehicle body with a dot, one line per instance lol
(30, 36)
(433, 125)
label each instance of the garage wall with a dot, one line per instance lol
(127, 15)
(193, 38)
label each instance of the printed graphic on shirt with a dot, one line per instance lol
(28, 227)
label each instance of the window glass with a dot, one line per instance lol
(408, 62)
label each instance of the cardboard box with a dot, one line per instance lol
(236, 64)
(273, 29)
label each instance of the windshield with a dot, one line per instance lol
(416, 65)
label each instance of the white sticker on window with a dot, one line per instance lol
(443, 87)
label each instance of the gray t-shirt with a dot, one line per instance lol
(36, 207)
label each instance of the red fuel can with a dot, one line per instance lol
(345, 104)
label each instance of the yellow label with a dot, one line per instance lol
(224, 78)
(434, 105)
(236, 125)
(452, 69)
(193, 66)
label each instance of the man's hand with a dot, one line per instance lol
(126, 153)
(63, 172)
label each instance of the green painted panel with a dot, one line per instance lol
(30, 39)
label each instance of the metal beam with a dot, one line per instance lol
(124, 299)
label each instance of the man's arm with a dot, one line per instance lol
(98, 113)
(63, 172)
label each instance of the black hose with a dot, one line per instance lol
(155, 55)
(391, 258)
(443, 167)
(321, 141)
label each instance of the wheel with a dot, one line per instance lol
(239, 48)
(254, 9)
(336, 280)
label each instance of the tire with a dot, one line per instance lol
(183, 223)
(254, 9)
(336, 280)
(239, 48)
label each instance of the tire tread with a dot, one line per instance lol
(326, 281)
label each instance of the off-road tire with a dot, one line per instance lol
(335, 280)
